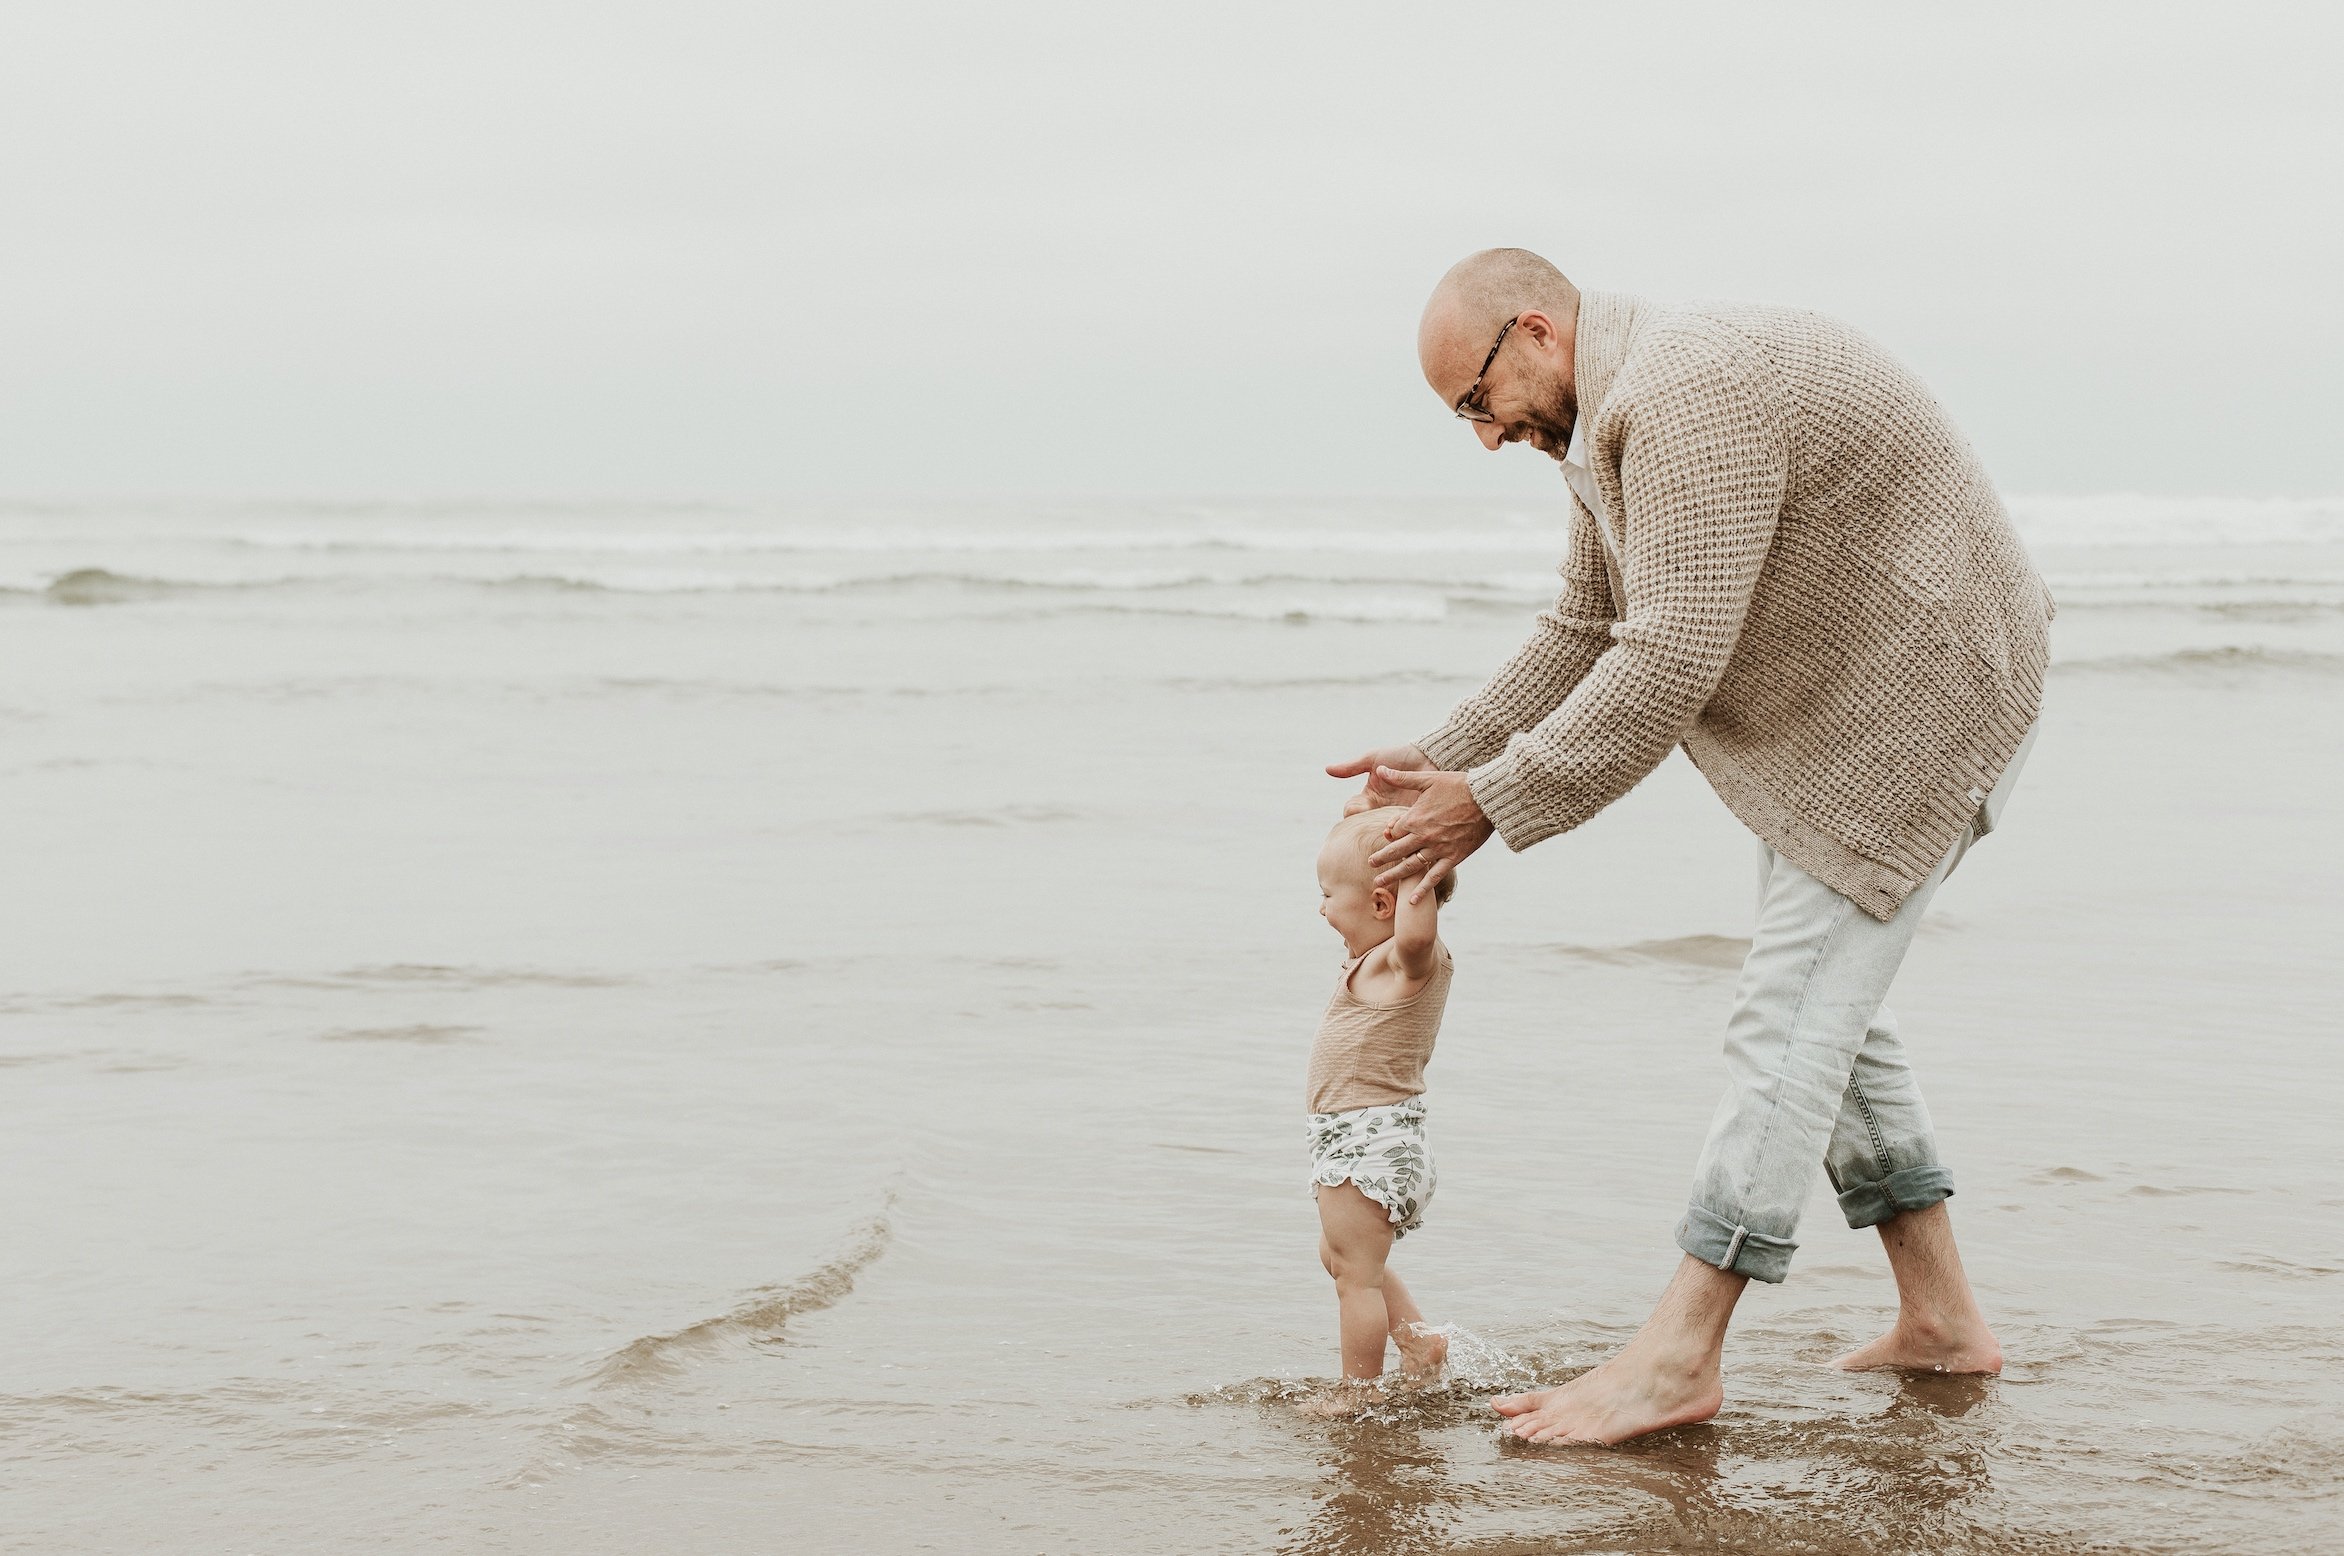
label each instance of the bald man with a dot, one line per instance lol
(1785, 558)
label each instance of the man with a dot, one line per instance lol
(1784, 557)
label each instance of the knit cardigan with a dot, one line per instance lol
(1817, 593)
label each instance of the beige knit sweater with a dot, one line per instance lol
(1819, 595)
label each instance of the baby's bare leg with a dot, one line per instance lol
(1399, 1306)
(1422, 1350)
(1355, 1237)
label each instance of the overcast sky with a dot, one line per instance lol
(590, 249)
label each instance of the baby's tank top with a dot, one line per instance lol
(1370, 1055)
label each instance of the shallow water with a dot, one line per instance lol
(580, 1029)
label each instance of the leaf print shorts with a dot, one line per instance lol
(1383, 1151)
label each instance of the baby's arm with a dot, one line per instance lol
(1416, 934)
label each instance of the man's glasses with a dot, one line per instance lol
(1470, 406)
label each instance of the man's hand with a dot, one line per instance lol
(1440, 829)
(1377, 793)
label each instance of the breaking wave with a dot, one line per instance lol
(760, 1319)
(2182, 661)
(1716, 953)
(1391, 526)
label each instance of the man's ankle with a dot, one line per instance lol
(1943, 1326)
(1677, 1354)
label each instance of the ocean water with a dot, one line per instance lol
(779, 1029)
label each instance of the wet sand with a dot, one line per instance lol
(578, 1030)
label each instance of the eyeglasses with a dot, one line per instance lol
(1470, 406)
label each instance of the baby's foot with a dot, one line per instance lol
(1345, 1398)
(1423, 1350)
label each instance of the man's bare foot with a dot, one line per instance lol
(1636, 1392)
(1938, 1325)
(1919, 1347)
(1423, 1350)
(1344, 1398)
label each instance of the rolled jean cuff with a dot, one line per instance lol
(1881, 1199)
(1734, 1248)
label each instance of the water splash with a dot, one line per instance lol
(1481, 1364)
(1476, 1368)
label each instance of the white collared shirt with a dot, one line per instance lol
(1582, 484)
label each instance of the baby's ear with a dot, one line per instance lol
(1385, 901)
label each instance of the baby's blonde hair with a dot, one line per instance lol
(1364, 830)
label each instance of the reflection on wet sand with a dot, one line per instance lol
(1432, 1475)
(1386, 1491)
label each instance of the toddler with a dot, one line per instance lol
(1370, 1169)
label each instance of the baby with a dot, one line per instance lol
(1370, 1168)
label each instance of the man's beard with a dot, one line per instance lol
(1552, 418)
(1554, 437)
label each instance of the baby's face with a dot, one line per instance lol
(1349, 899)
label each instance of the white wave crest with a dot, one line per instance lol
(2133, 519)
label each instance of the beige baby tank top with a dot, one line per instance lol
(1367, 1055)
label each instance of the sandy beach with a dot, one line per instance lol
(466, 1083)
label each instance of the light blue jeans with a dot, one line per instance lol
(1815, 1069)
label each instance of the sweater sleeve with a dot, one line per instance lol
(1562, 645)
(1704, 461)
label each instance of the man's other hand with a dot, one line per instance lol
(1377, 793)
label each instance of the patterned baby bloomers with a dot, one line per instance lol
(1383, 1151)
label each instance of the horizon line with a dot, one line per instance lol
(550, 498)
